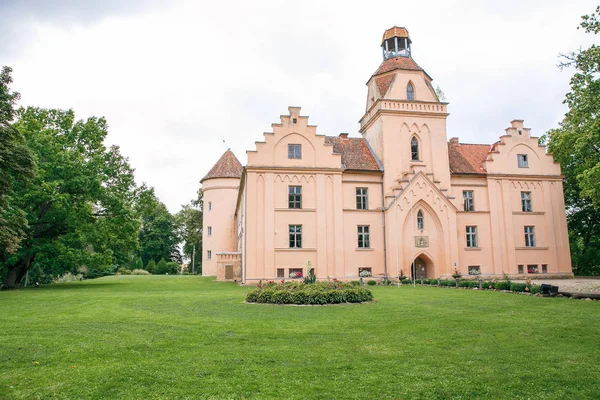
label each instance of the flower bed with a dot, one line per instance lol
(320, 293)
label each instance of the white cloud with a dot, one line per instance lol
(175, 79)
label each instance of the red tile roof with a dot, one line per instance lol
(467, 158)
(383, 84)
(394, 31)
(356, 154)
(228, 166)
(391, 64)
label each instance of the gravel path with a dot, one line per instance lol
(572, 285)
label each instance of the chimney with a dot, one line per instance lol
(343, 136)
(454, 140)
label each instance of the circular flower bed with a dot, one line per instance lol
(315, 293)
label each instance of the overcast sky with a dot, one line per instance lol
(175, 78)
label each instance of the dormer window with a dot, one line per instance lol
(294, 151)
(414, 149)
(410, 91)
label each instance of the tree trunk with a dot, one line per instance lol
(16, 273)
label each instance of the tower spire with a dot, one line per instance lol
(396, 43)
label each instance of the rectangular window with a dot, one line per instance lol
(294, 151)
(522, 159)
(365, 272)
(209, 205)
(471, 236)
(474, 270)
(520, 269)
(208, 254)
(362, 198)
(295, 273)
(209, 230)
(363, 237)
(526, 201)
(295, 196)
(468, 203)
(532, 269)
(529, 236)
(296, 236)
(544, 268)
(280, 272)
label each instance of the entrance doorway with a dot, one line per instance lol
(419, 268)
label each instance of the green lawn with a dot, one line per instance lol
(161, 337)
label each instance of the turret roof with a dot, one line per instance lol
(228, 166)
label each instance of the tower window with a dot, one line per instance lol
(410, 91)
(295, 196)
(209, 205)
(210, 231)
(420, 220)
(522, 159)
(208, 254)
(362, 198)
(294, 151)
(414, 149)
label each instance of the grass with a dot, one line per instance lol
(178, 337)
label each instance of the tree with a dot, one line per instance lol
(151, 267)
(173, 268)
(158, 235)
(576, 145)
(189, 220)
(161, 267)
(16, 168)
(79, 205)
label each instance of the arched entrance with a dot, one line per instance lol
(421, 268)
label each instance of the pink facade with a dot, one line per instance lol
(399, 200)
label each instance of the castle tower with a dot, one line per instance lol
(220, 190)
(404, 122)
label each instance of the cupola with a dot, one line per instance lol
(396, 43)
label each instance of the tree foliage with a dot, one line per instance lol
(158, 235)
(79, 206)
(16, 168)
(189, 219)
(576, 145)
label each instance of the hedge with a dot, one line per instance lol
(300, 293)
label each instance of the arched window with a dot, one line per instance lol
(414, 149)
(420, 222)
(410, 91)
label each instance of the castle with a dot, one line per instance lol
(400, 200)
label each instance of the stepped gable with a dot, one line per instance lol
(355, 153)
(228, 166)
(467, 158)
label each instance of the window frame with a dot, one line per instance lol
(420, 220)
(526, 202)
(468, 202)
(474, 268)
(209, 230)
(295, 199)
(362, 196)
(522, 160)
(471, 236)
(209, 254)
(410, 91)
(414, 149)
(292, 153)
(363, 236)
(529, 231)
(210, 206)
(295, 236)
(280, 273)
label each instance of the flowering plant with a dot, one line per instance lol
(296, 274)
(364, 273)
(456, 273)
(474, 271)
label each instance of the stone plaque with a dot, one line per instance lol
(421, 241)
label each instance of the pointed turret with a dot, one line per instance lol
(228, 166)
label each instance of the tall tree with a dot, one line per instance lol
(189, 219)
(158, 234)
(16, 168)
(79, 205)
(576, 145)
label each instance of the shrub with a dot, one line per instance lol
(252, 296)
(281, 297)
(298, 293)
(371, 282)
(68, 277)
(140, 272)
(172, 268)
(355, 283)
(447, 282)
(534, 289)
(463, 283)
(518, 287)
(151, 266)
(488, 285)
(386, 282)
(266, 296)
(123, 271)
(502, 285)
